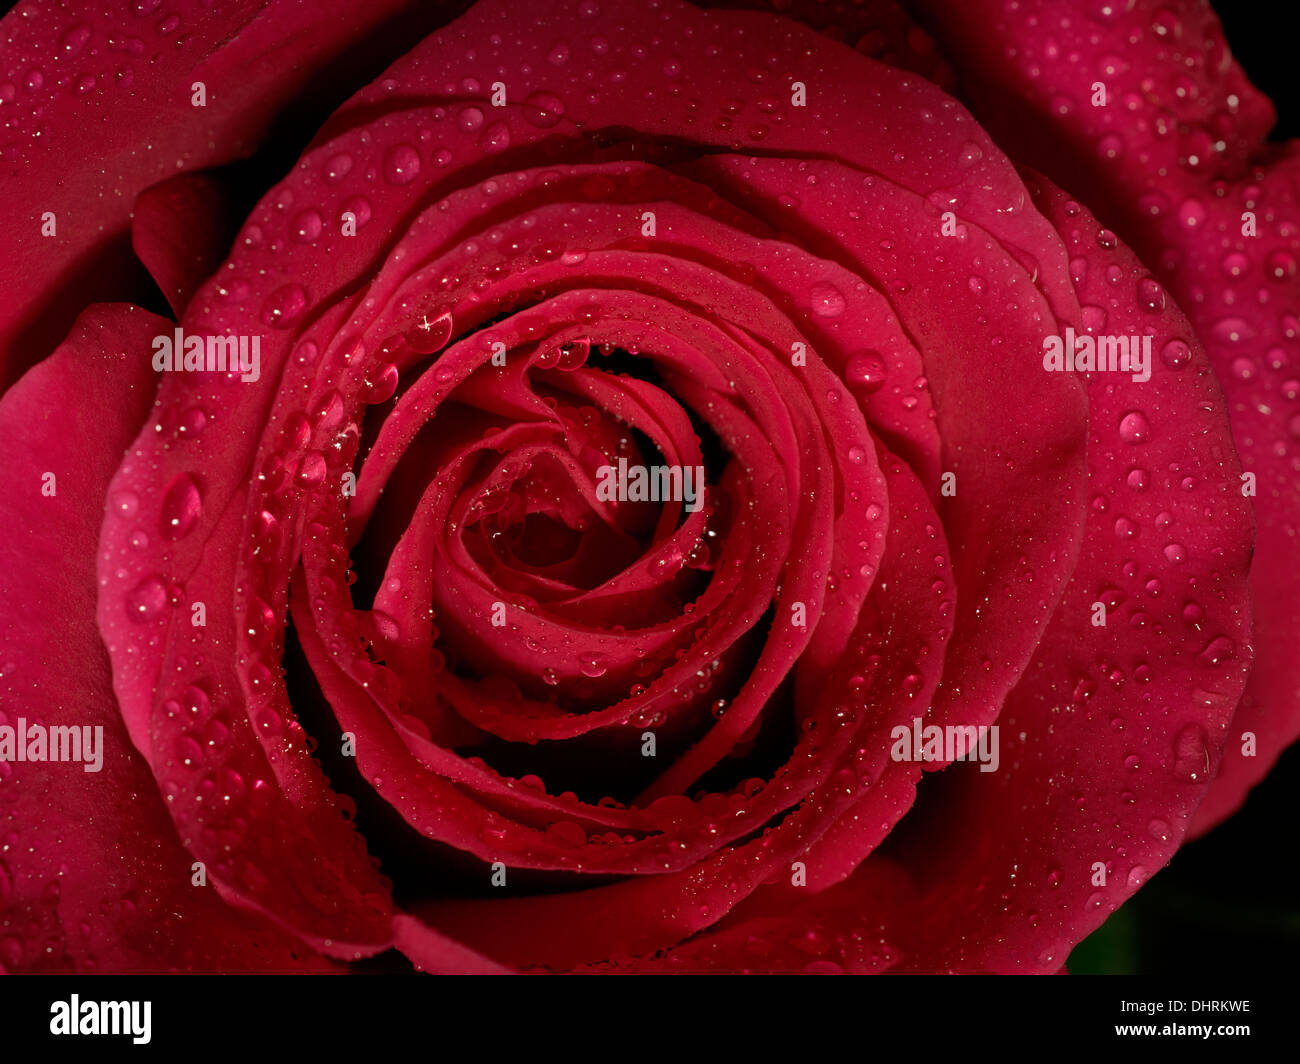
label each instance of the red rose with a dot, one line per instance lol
(628, 456)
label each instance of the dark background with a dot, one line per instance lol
(1266, 51)
(1225, 905)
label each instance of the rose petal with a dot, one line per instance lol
(639, 916)
(78, 86)
(181, 230)
(1173, 163)
(957, 295)
(1111, 740)
(93, 877)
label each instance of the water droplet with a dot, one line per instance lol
(1191, 214)
(283, 306)
(1218, 650)
(1244, 368)
(311, 470)
(191, 423)
(1280, 265)
(672, 812)
(827, 300)
(147, 600)
(1159, 830)
(306, 227)
(401, 164)
(1234, 264)
(568, 833)
(429, 334)
(181, 508)
(1111, 146)
(328, 411)
(125, 503)
(495, 138)
(1094, 317)
(1232, 330)
(188, 752)
(592, 665)
(1151, 296)
(1134, 427)
(260, 620)
(543, 110)
(358, 207)
(1176, 354)
(338, 167)
(382, 385)
(865, 371)
(75, 39)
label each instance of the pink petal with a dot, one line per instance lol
(1112, 739)
(1172, 163)
(94, 877)
(80, 85)
(181, 230)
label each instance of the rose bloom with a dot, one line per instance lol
(941, 658)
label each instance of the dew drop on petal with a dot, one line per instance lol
(306, 227)
(181, 508)
(147, 600)
(311, 470)
(284, 305)
(1134, 427)
(382, 385)
(401, 164)
(1176, 354)
(827, 300)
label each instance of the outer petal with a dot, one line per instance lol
(1174, 161)
(97, 106)
(1112, 738)
(881, 29)
(181, 230)
(92, 876)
